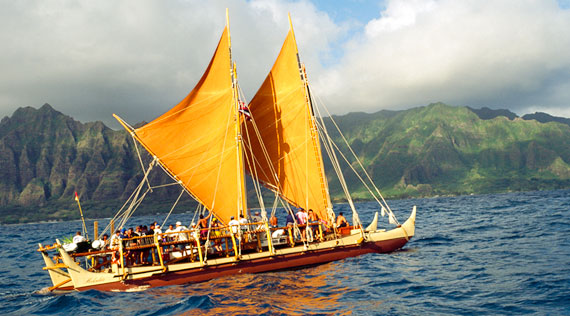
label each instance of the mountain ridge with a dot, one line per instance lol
(426, 151)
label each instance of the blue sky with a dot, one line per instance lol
(90, 59)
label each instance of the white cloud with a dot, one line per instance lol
(480, 53)
(138, 58)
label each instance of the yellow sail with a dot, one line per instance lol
(196, 141)
(282, 113)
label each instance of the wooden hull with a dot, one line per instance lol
(287, 258)
(254, 266)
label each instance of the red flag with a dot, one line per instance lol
(76, 197)
(244, 109)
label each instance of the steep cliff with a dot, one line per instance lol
(45, 156)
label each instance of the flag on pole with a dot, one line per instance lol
(244, 109)
(76, 197)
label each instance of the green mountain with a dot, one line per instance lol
(47, 156)
(434, 150)
(446, 150)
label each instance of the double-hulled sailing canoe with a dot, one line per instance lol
(208, 143)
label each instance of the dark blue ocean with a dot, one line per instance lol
(500, 254)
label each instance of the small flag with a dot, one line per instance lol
(244, 109)
(76, 197)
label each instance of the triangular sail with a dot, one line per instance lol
(197, 140)
(282, 113)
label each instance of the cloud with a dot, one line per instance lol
(508, 54)
(139, 58)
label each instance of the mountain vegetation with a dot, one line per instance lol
(46, 156)
(446, 150)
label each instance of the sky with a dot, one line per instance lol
(138, 58)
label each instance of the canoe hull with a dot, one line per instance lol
(272, 263)
(356, 243)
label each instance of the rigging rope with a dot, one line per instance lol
(359, 163)
(172, 208)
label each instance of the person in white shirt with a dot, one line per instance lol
(169, 236)
(115, 240)
(78, 238)
(243, 223)
(157, 229)
(234, 224)
(256, 218)
(180, 228)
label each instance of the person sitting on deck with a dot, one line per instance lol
(341, 221)
(273, 221)
(78, 238)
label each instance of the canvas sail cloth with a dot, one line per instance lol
(196, 140)
(282, 113)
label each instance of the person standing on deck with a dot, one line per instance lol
(115, 240)
(203, 225)
(157, 230)
(234, 224)
(234, 227)
(180, 229)
(243, 222)
(256, 218)
(302, 218)
(290, 220)
(169, 231)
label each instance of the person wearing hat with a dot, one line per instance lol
(182, 235)
(234, 224)
(256, 218)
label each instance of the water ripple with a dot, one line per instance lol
(501, 254)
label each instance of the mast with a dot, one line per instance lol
(313, 125)
(242, 196)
